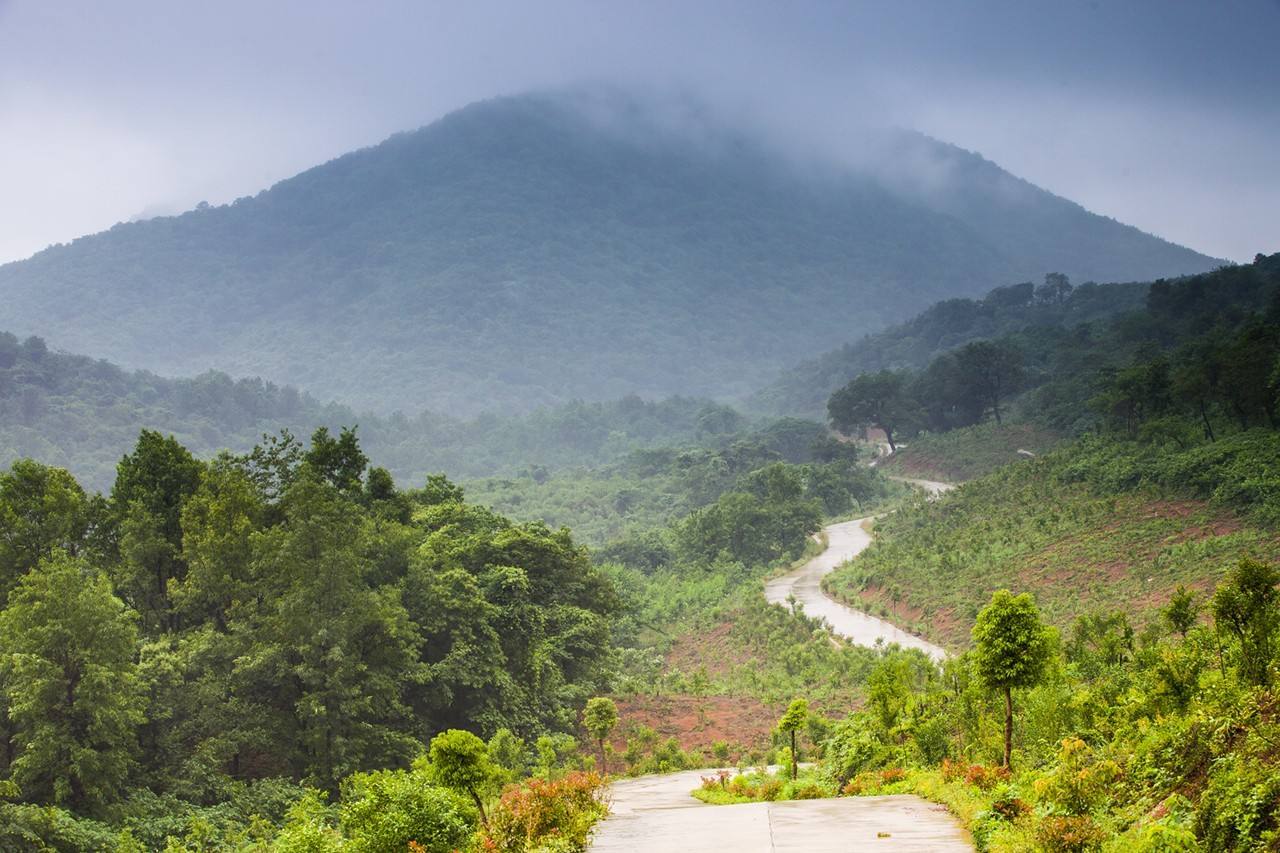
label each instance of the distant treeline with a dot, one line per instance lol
(1200, 356)
(83, 415)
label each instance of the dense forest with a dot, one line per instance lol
(1198, 352)
(804, 389)
(286, 615)
(533, 250)
(84, 414)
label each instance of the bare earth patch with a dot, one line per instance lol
(698, 722)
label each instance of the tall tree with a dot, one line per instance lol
(792, 721)
(599, 719)
(1247, 606)
(330, 655)
(338, 460)
(218, 523)
(990, 372)
(873, 400)
(42, 509)
(71, 681)
(151, 486)
(1012, 649)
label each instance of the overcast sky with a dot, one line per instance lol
(1162, 114)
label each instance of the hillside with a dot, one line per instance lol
(83, 414)
(803, 389)
(1173, 482)
(523, 252)
(1095, 527)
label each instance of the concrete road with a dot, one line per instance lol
(844, 542)
(657, 814)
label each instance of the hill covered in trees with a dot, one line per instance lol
(946, 325)
(84, 414)
(1195, 360)
(529, 250)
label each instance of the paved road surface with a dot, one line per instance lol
(656, 814)
(845, 541)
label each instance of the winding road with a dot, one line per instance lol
(655, 814)
(845, 541)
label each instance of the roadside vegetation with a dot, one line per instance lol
(1100, 738)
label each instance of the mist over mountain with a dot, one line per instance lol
(526, 251)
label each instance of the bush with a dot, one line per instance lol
(892, 774)
(1007, 805)
(546, 815)
(388, 809)
(1069, 834)
(985, 778)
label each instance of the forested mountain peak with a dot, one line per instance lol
(534, 249)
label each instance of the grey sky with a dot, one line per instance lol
(1162, 114)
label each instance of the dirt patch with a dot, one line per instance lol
(712, 649)
(698, 722)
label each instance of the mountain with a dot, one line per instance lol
(535, 249)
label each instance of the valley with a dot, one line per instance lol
(553, 428)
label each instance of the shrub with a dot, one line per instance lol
(889, 775)
(1078, 784)
(806, 791)
(1007, 804)
(543, 814)
(1069, 834)
(387, 809)
(769, 790)
(985, 778)
(861, 784)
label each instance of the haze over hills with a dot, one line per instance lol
(524, 251)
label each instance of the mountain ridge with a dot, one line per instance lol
(520, 252)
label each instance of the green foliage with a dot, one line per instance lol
(387, 809)
(805, 389)
(459, 760)
(1247, 606)
(304, 620)
(1011, 644)
(89, 414)
(42, 510)
(599, 718)
(71, 684)
(877, 400)
(795, 717)
(1182, 610)
(554, 816)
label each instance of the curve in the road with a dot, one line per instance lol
(656, 814)
(845, 540)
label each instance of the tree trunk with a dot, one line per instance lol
(484, 818)
(888, 436)
(604, 766)
(1208, 428)
(1008, 728)
(793, 755)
